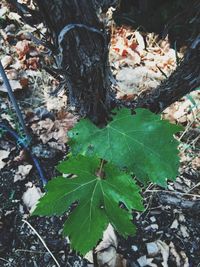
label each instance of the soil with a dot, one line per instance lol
(174, 230)
(20, 246)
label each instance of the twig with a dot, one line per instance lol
(195, 186)
(173, 192)
(42, 241)
(29, 251)
(8, 262)
(168, 198)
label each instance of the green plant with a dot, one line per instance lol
(104, 162)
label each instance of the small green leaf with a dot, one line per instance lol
(98, 201)
(143, 143)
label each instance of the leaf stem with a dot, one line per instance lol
(95, 261)
(100, 173)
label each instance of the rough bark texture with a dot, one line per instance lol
(184, 80)
(178, 201)
(81, 48)
(82, 53)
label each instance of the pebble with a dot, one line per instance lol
(174, 224)
(47, 257)
(142, 261)
(10, 28)
(152, 249)
(153, 219)
(181, 218)
(154, 226)
(44, 152)
(134, 248)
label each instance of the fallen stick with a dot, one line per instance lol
(177, 200)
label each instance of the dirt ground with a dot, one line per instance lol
(168, 232)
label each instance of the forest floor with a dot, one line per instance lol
(168, 232)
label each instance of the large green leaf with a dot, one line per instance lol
(98, 201)
(143, 143)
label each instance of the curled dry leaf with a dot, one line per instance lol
(15, 85)
(8, 118)
(109, 239)
(6, 61)
(54, 132)
(24, 82)
(185, 259)
(32, 63)
(3, 11)
(140, 40)
(12, 74)
(106, 251)
(175, 254)
(184, 231)
(55, 103)
(31, 197)
(164, 249)
(22, 48)
(143, 261)
(3, 155)
(14, 16)
(22, 172)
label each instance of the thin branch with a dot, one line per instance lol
(42, 241)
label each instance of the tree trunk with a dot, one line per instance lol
(82, 53)
(183, 80)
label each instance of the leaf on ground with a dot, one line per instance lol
(31, 197)
(3, 155)
(54, 132)
(22, 172)
(15, 85)
(6, 61)
(143, 143)
(98, 201)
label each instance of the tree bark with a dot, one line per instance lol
(182, 81)
(82, 53)
(177, 200)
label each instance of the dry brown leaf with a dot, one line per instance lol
(196, 163)
(14, 16)
(54, 132)
(24, 82)
(109, 239)
(32, 63)
(106, 251)
(31, 197)
(6, 61)
(12, 74)
(22, 172)
(22, 49)
(15, 85)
